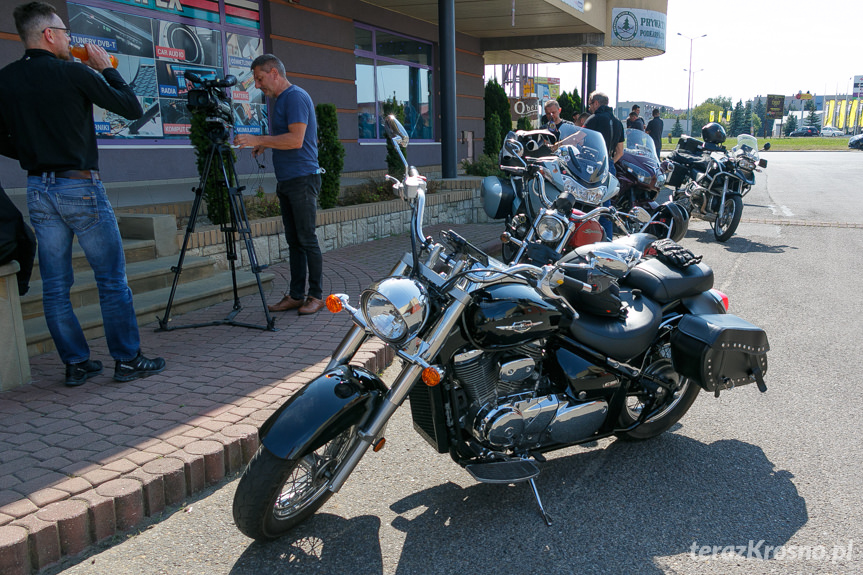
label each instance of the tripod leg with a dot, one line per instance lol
(190, 227)
(240, 221)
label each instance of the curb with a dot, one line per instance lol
(85, 512)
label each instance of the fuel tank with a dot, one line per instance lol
(507, 315)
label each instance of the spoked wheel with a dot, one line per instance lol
(724, 227)
(275, 495)
(676, 403)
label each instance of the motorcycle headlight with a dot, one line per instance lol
(550, 228)
(589, 195)
(395, 308)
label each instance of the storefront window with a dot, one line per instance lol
(396, 75)
(156, 47)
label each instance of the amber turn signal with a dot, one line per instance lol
(379, 445)
(432, 376)
(334, 304)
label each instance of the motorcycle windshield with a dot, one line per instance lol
(638, 143)
(747, 144)
(584, 155)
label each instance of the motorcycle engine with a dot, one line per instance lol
(512, 405)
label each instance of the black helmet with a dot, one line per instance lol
(671, 217)
(713, 133)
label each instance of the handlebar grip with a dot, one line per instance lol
(575, 284)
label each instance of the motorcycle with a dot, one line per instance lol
(641, 176)
(540, 168)
(501, 365)
(710, 182)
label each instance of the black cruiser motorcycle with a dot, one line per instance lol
(501, 365)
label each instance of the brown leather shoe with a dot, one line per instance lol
(287, 303)
(312, 305)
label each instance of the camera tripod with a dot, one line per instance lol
(239, 223)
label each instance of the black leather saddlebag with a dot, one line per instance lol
(720, 351)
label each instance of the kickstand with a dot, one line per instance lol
(539, 502)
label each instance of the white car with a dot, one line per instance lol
(831, 132)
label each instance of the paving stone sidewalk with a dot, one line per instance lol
(79, 465)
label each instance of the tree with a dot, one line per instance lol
(701, 115)
(747, 118)
(492, 142)
(331, 154)
(395, 167)
(569, 104)
(677, 128)
(496, 103)
(813, 118)
(791, 124)
(202, 135)
(721, 101)
(736, 127)
(524, 123)
(760, 111)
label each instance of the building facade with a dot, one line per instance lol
(366, 58)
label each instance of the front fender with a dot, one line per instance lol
(325, 407)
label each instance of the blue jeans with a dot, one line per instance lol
(60, 208)
(298, 198)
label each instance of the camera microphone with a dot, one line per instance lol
(230, 80)
(193, 77)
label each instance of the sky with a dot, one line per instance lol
(752, 47)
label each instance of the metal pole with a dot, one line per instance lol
(689, 90)
(449, 118)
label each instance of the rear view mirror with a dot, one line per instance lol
(396, 131)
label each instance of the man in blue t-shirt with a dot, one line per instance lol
(295, 160)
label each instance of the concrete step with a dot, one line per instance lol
(135, 251)
(142, 276)
(150, 305)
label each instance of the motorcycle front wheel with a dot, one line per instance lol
(724, 227)
(275, 495)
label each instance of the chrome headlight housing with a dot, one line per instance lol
(395, 309)
(587, 195)
(550, 228)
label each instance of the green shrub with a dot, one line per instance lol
(485, 165)
(215, 193)
(492, 142)
(331, 154)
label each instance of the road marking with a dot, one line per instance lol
(785, 210)
(807, 223)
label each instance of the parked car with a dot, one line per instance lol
(831, 132)
(856, 142)
(805, 131)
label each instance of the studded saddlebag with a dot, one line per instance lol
(720, 351)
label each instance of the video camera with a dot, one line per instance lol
(213, 102)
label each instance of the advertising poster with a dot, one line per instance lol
(857, 90)
(250, 107)
(775, 106)
(153, 56)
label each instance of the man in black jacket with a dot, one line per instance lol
(46, 123)
(604, 122)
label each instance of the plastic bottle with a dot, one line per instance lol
(80, 52)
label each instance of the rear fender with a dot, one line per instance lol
(322, 409)
(703, 304)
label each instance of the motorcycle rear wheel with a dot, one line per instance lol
(275, 495)
(675, 408)
(724, 227)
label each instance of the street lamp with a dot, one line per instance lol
(692, 91)
(689, 89)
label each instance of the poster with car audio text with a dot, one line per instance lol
(153, 57)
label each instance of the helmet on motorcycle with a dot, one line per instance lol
(713, 133)
(670, 215)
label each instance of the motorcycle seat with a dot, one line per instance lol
(698, 162)
(638, 240)
(618, 338)
(665, 284)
